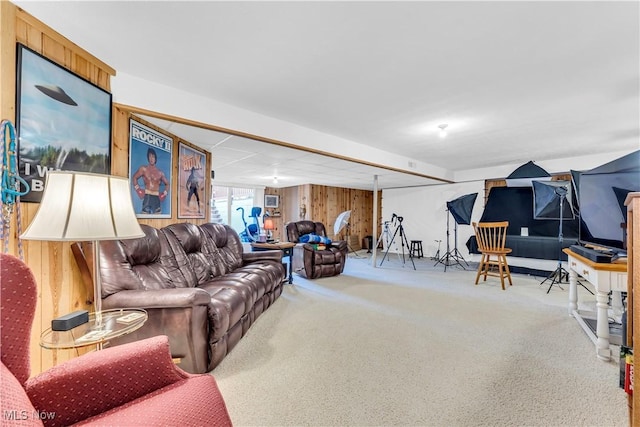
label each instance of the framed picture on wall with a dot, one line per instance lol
(151, 157)
(63, 122)
(271, 201)
(191, 183)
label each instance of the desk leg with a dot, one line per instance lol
(289, 253)
(573, 291)
(602, 325)
(617, 306)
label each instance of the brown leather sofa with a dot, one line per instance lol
(314, 263)
(197, 284)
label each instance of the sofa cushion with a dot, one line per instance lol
(190, 241)
(228, 247)
(146, 263)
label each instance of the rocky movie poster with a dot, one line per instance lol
(191, 189)
(150, 163)
(63, 122)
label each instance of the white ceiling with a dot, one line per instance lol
(515, 81)
(243, 161)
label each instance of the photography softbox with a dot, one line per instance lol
(552, 200)
(548, 196)
(602, 191)
(524, 175)
(462, 207)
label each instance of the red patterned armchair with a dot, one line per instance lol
(130, 384)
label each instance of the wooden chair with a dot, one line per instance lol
(491, 238)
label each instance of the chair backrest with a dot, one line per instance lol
(491, 236)
(18, 296)
(299, 228)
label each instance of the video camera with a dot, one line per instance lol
(395, 217)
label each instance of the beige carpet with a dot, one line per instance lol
(391, 346)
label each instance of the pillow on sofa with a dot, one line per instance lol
(314, 238)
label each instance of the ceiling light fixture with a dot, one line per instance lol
(443, 130)
(275, 179)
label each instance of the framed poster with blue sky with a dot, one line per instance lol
(63, 122)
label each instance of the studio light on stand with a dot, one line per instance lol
(460, 209)
(549, 203)
(78, 207)
(342, 221)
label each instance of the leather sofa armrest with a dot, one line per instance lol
(271, 255)
(340, 244)
(99, 381)
(306, 246)
(161, 298)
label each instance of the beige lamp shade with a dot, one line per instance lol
(79, 206)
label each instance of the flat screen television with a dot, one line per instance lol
(601, 194)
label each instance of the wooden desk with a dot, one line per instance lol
(604, 278)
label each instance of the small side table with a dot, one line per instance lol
(285, 247)
(101, 327)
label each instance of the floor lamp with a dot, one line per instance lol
(80, 207)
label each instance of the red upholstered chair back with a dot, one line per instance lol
(18, 295)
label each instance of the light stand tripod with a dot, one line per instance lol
(348, 226)
(437, 255)
(452, 257)
(559, 272)
(548, 203)
(403, 241)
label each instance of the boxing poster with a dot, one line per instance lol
(150, 154)
(191, 183)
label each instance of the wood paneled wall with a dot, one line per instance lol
(324, 204)
(60, 287)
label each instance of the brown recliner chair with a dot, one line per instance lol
(313, 263)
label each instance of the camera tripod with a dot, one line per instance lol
(403, 241)
(385, 236)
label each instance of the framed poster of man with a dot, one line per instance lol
(63, 122)
(150, 170)
(191, 183)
